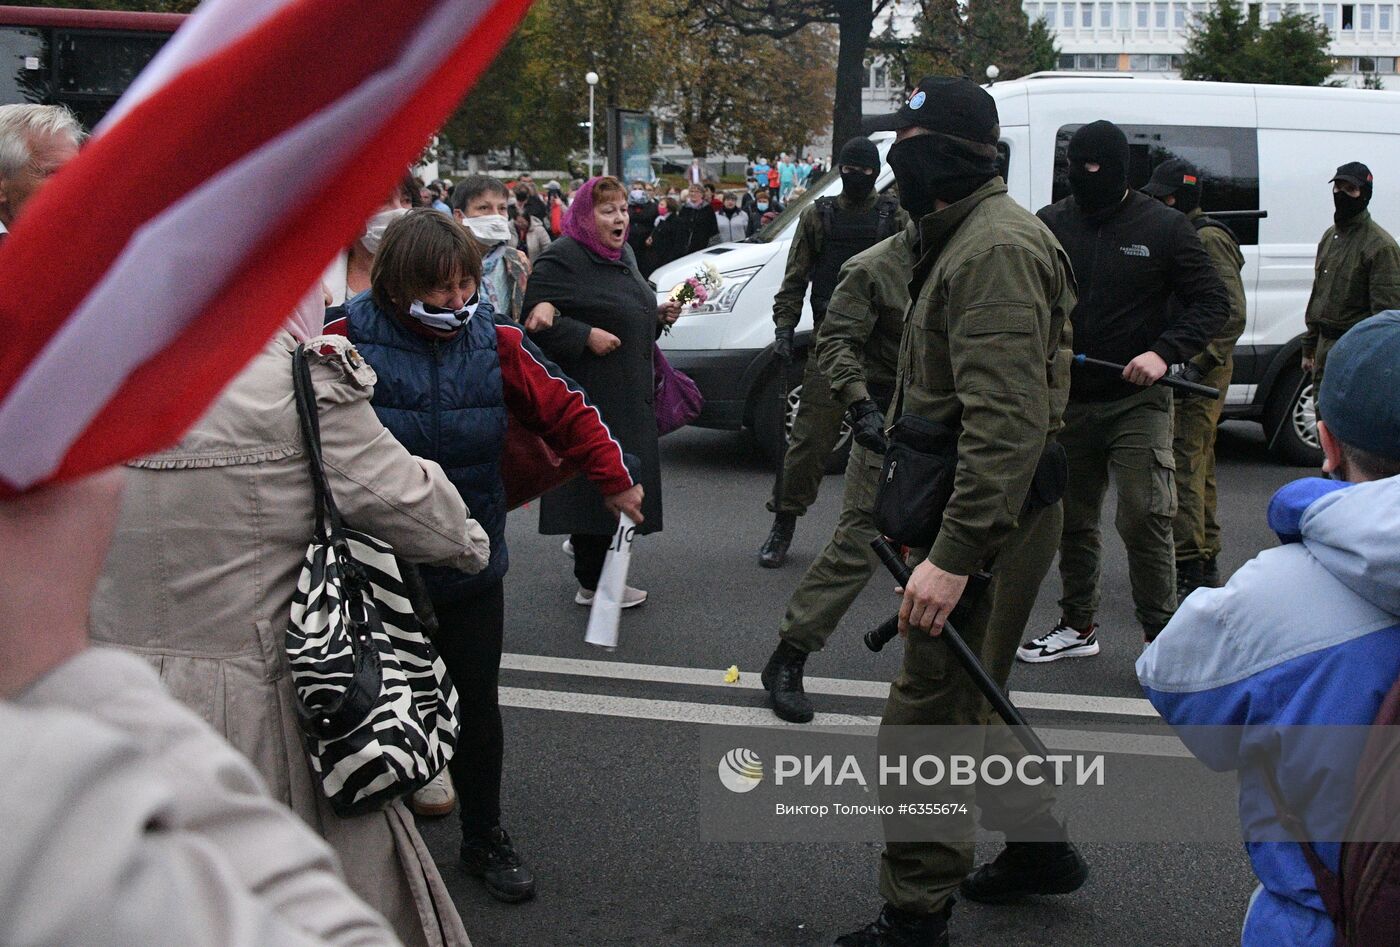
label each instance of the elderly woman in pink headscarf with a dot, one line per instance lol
(593, 312)
(205, 561)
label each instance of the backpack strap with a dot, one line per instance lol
(1329, 884)
(826, 212)
(1205, 220)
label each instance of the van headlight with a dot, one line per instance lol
(725, 298)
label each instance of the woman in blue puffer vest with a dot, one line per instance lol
(450, 378)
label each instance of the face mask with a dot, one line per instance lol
(857, 184)
(446, 320)
(490, 229)
(1347, 206)
(1102, 144)
(637, 196)
(932, 167)
(761, 205)
(374, 230)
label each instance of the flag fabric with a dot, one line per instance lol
(147, 272)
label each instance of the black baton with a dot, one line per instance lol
(995, 696)
(1169, 380)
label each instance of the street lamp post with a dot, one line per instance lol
(992, 73)
(592, 80)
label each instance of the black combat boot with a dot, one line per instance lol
(1210, 573)
(492, 858)
(782, 676)
(1188, 578)
(775, 547)
(1025, 868)
(896, 928)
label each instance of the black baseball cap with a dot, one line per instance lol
(952, 105)
(1172, 176)
(1353, 172)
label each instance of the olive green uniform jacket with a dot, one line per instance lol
(1225, 254)
(987, 349)
(1357, 275)
(802, 256)
(858, 342)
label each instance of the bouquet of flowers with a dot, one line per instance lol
(694, 290)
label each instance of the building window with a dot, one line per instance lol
(1159, 15)
(1329, 17)
(1032, 12)
(1142, 16)
(1086, 15)
(1137, 62)
(1159, 63)
(1347, 14)
(1365, 64)
(1066, 60)
(1344, 65)
(1067, 15)
(1271, 12)
(1385, 65)
(1179, 16)
(1383, 15)
(1087, 62)
(1367, 16)
(1106, 16)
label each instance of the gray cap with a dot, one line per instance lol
(1360, 397)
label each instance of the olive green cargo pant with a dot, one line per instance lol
(1195, 530)
(837, 576)
(932, 689)
(1324, 345)
(815, 432)
(1132, 439)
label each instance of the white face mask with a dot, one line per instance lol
(436, 317)
(374, 230)
(490, 229)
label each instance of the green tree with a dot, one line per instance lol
(1228, 45)
(953, 37)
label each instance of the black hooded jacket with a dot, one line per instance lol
(1131, 261)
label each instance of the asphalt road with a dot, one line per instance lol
(601, 770)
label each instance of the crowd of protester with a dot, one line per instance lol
(462, 316)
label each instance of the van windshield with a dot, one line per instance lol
(770, 232)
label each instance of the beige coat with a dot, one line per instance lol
(128, 821)
(204, 563)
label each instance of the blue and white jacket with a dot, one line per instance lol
(1305, 634)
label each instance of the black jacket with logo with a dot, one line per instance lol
(1130, 261)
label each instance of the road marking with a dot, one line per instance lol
(681, 711)
(831, 686)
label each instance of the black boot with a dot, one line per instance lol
(775, 548)
(896, 928)
(1188, 578)
(1025, 868)
(492, 858)
(1210, 573)
(782, 676)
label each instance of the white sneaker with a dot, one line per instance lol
(436, 798)
(1062, 641)
(631, 597)
(568, 547)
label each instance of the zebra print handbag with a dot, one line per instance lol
(376, 708)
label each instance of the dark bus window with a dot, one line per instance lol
(24, 65)
(100, 65)
(1228, 159)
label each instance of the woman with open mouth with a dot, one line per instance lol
(600, 322)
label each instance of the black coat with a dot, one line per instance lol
(698, 225)
(667, 241)
(590, 292)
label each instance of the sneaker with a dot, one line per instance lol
(568, 547)
(437, 798)
(492, 857)
(631, 597)
(1062, 641)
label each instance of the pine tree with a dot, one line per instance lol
(1227, 45)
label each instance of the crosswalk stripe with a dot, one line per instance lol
(830, 686)
(682, 711)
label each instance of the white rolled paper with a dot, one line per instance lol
(603, 618)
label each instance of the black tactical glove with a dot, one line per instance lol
(868, 425)
(1187, 372)
(782, 343)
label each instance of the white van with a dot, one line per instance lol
(1259, 147)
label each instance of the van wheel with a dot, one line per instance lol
(1290, 420)
(775, 410)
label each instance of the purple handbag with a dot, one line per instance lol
(678, 401)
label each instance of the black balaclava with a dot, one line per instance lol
(1104, 144)
(862, 153)
(935, 167)
(1346, 206)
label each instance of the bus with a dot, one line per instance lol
(84, 59)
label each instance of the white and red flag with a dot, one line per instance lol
(150, 269)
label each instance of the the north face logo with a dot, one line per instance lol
(1136, 249)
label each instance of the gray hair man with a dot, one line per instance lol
(35, 141)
